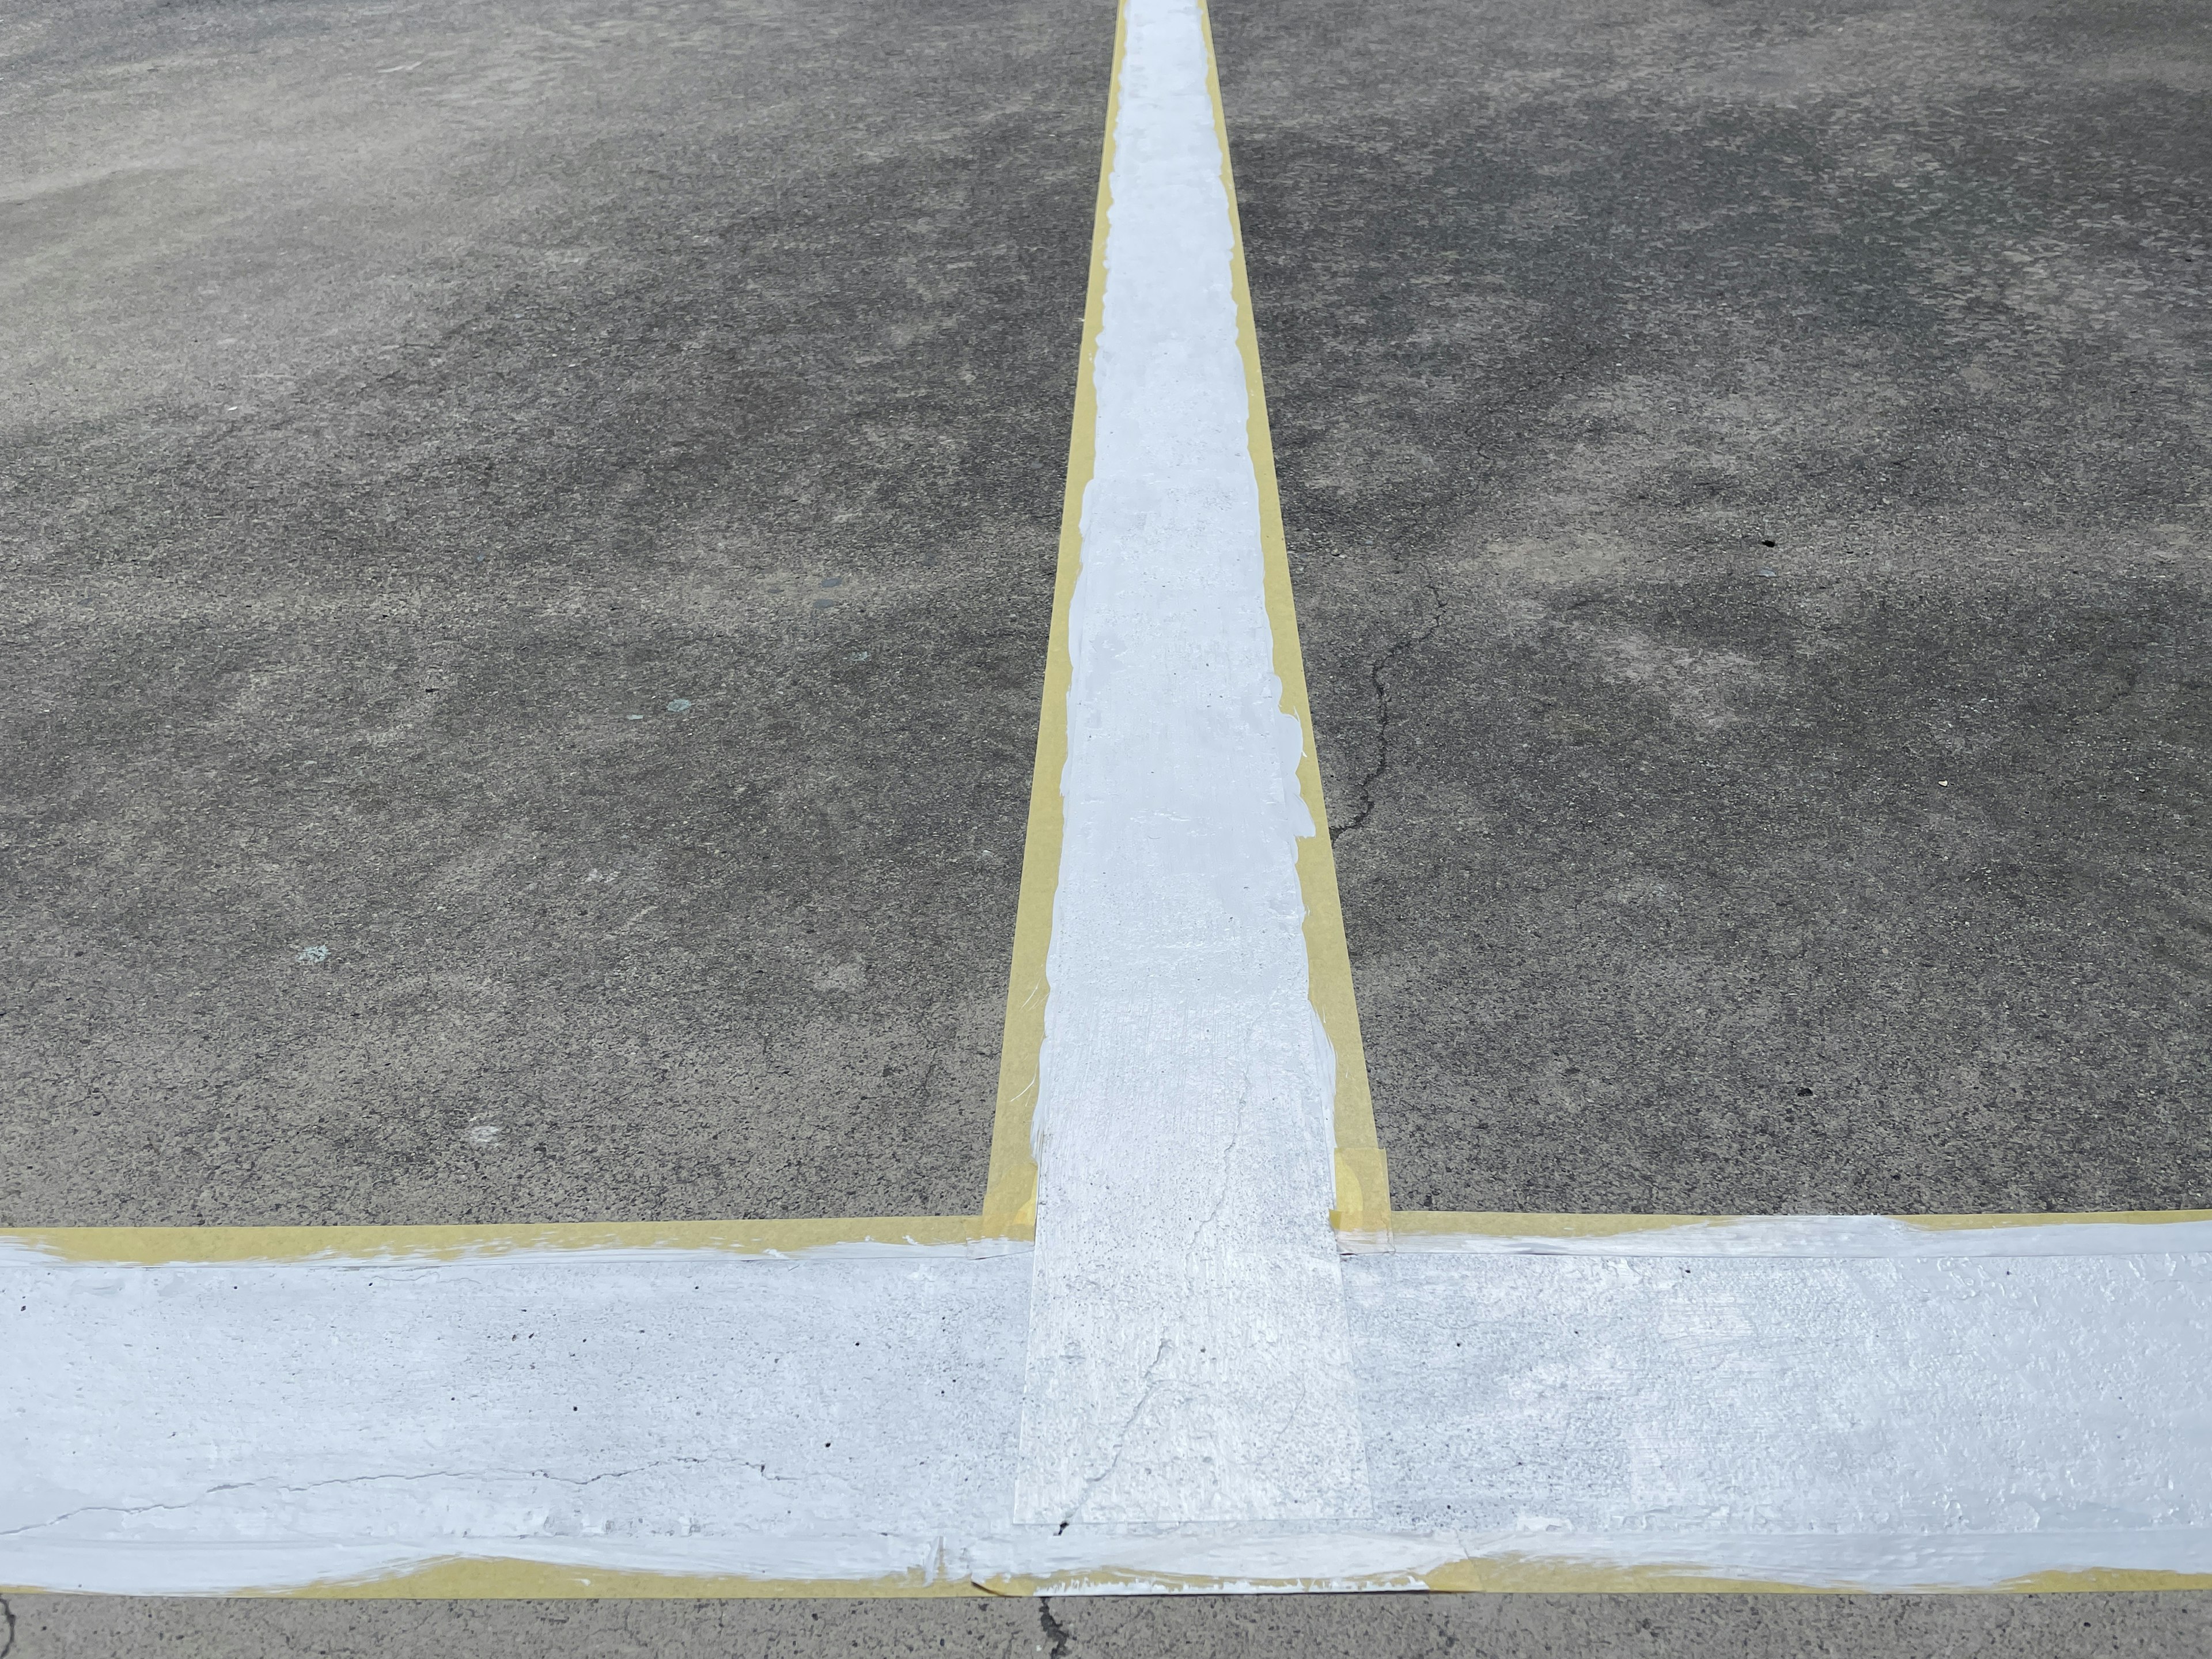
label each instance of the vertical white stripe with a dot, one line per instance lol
(1187, 1358)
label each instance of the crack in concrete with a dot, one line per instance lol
(1058, 1634)
(928, 1075)
(1228, 1175)
(1091, 1483)
(578, 1482)
(8, 1628)
(1385, 715)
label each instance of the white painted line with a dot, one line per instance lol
(1850, 1418)
(1186, 1353)
(215, 1427)
(1183, 1384)
(1889, 1423)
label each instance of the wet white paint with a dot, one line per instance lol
(211, 1427)
(1186, 1358)
(1703, 1401)
(1852, 1420)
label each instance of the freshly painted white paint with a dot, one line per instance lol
(2029, 1409)
(1884, 1421)
(214, 1426)
(1187, 1348)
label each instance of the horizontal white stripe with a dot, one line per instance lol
(1747, 1396)
(1885, 1422)
(790, 1407)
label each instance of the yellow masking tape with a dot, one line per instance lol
(160, 1246)
(1507, 1223)
(1533, 1575)
(1010, 1196)
(1363, 1207)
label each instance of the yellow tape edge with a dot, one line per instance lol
(1010, 1196)
(1532, 1574)
(167, 1246)
(1363, 1188)
(1506, 1223)
(502, 1578)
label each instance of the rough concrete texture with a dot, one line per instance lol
(395, 401)
(2140, 1626)
(406, 412)
(1746, 471)
(399, 402)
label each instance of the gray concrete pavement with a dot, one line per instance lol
(385, 435)
(1748, 466)
(408, 410)
(2137, 1626)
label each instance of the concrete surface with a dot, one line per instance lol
(398, 399)
(403, 407)
(424, 423)
(2151, 1626)
(1881, 882)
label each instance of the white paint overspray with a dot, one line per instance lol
(1187, 1354)
(1831, 1235)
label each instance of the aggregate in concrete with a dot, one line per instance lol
(529, 531)
(1747, 473)
(2167, 1625)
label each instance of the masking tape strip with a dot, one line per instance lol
(1363, 1191)
(1995, 1234)
(1010, 1198)
(2081, 1232)
(175, 1246)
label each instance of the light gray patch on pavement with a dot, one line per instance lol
(426, 434)
(1746, 475)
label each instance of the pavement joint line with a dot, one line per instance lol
(1067, 1355)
